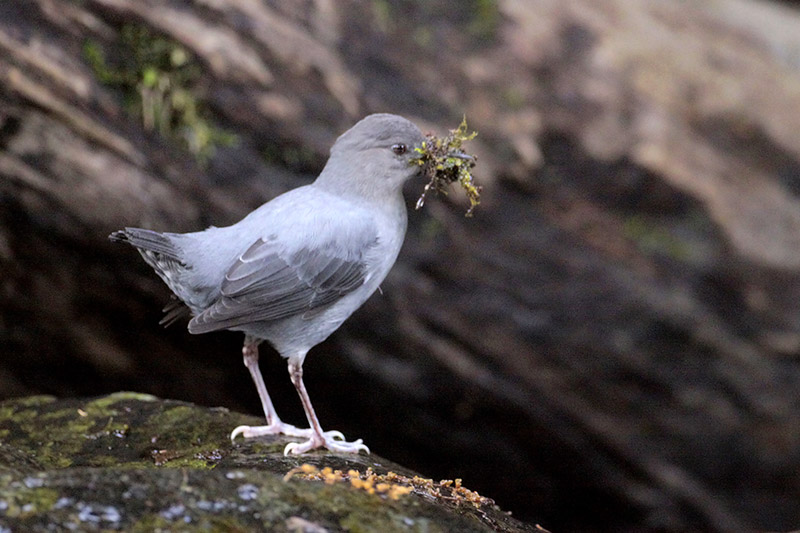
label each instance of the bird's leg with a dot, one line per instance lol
(274, 424)
(318, 438)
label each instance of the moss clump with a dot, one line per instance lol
(160, 83)
(443, 163)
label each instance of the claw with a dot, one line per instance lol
(333, 434)
(238, 430)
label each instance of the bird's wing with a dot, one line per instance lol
(269, 282)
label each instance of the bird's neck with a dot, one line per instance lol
(339, 179)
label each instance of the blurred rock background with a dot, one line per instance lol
(611, 343)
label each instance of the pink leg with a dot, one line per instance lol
(332, 440)
(274, 424)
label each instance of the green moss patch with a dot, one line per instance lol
(161, 85)
(443, 163)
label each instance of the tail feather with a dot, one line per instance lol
(174, 311)
(161, 253)
(148, 240)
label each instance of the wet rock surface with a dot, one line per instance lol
(133, 462)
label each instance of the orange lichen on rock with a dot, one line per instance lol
(369, 481)
(446, 489)
(392, 485)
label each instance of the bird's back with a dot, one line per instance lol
(312, 260)
(333, 253)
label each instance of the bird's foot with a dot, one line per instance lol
(332, 440)
(276, 428)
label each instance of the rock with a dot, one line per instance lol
(133, 462)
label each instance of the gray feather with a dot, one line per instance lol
(148, 240)
(264, 286)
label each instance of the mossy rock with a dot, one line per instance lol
(133, 462)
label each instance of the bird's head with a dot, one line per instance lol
(374, 157)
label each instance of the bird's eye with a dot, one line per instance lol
(399, 149)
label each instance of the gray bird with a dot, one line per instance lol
(294, 269)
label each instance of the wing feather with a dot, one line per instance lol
(266, 283)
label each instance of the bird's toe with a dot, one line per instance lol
(333, 435)
(332, 440)
(276, 428)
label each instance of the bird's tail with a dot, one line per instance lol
(147, 240)
(160, 252)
